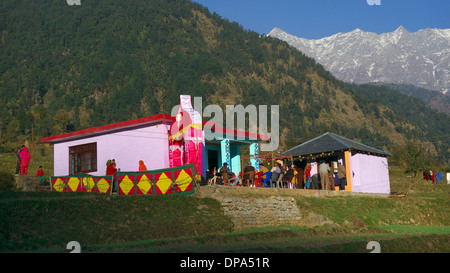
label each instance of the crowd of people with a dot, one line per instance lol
(282, 176)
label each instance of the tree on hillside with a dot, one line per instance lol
(412, 156)
(61, 120)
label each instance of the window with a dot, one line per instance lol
(83, 158)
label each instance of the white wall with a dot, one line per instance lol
(127, 147)
(369, 173)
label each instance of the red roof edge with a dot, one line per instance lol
(118, 125)
(235, 132)
(144, 120)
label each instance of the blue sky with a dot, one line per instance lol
(315, 19)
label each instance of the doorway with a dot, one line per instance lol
(213, 160)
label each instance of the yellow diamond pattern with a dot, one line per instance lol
(88, 183)
(73, 183)
(144, 184)
(126, 184)
(164, 183)
(183, 180)
(59, 185)
(102, 185)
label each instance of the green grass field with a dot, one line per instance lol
(47, 221)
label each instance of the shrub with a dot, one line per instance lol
(6, 181)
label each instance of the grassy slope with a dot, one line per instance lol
(48, 221)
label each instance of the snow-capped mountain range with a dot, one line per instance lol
(421, 58)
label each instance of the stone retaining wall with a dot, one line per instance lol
(29, 183)
(250, 207)
(270, 211)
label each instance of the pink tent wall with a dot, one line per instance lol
(369, 173)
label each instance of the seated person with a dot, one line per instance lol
(263, 169)
(286, 180)
(249, 174)
(276, 171)
(226, 170)
(210, 177)
(234, 180)
(219, 179)
(40, 175)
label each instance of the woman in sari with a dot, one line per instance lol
(308, 176)
(142, 166)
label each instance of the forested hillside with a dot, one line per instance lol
(65, 68)
(434, 99)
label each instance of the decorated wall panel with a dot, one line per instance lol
(81, 182)
(178, 180)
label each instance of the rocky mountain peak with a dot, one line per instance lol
(419, 58)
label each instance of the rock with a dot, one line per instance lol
(29, 183)
(314, 219)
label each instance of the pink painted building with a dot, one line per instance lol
(144, 139)
(127, 142)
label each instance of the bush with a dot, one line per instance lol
(6, 181)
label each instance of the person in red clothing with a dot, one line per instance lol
(111, 170)
(25, 156)
(40, 172)
(142, 166)
(40, 175)
(308, 176)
